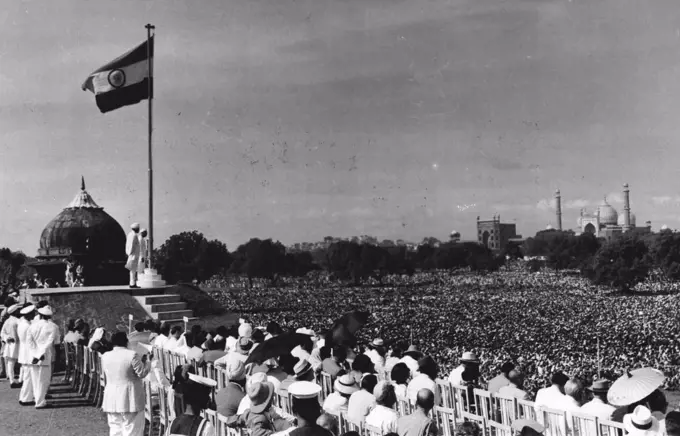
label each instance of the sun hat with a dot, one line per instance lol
(26, 310)
(134, 226)
(413, 352)
(12, 309)
(45, 310)
(600, 386)
(235, 370)
(641, 422)
(202, 380)
(303, 390)
(244, 345)
(260, 395)
(302, 368)
(345, 384)
(377, 343)
(469, 357)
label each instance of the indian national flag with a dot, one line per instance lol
(124, 81)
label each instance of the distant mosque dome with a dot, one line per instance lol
(622, 219)
(608, 215)
(83, 228)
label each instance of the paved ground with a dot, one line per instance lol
(69, 416)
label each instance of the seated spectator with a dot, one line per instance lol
(336, 362)
(362, 365)
(163, 336)
(173, 341)
(425, 379)
(551, 397)
(468, 429)
(411, 357)
(260, 419)
(598, 405)
(362, 401)
(343, 388)
(383, 416)
(671, 425)
(419, 422)
(641, 423)
(214, 351)
(400, 375)
(502, 379)
(229, 398)
(196, 394)
(516, 386)
(393, 357)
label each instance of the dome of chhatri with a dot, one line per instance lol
(608, 215)
(622, 219)
(83, 228)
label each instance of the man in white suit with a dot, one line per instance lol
(26, 394)
(133, 251)
(124, 391)
(41, 339)
(10, 343)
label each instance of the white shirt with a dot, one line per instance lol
(456, 376)
(171, 344)
(334, 403)
(160, 341)
(599, 408)
(376, 358)
(411, 363)
(383, 418)
(421, 381)
(550, 397)
(513, 391)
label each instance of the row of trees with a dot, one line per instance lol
(190, 256)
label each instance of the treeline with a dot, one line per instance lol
(190, 256)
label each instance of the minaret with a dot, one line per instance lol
(626, 208)
(558, 209)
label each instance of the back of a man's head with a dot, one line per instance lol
(574, 389)
(507, 367)
(673, 423)
(150, 326)
(165, 329)
(139, 327)
(119, 339)
(516, 378)
(340, 353)
(425, 399)
(329, 422)
(559, 379)
(368, 382)
(176, 330)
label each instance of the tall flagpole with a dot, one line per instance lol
(149, 55)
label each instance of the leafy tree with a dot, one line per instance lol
(665, 250)
(481, 259)
(620, 263)
(10, 264)
(300, 263)
(190, 256)
(343, 258)
(260, 258)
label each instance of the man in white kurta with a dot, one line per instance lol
(132, 249)
(124, 392)
(143, 251)
(40, 337)
(26, 394)
(10, 340)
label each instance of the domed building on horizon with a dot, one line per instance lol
(85, 233)
(605, 221)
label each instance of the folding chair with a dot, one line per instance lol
(446, 393)
(151, 412)
(555, 422)
(445, 419)
(326, 382)
(526, 410)
(504, 408)
(582, 424)
(498, 429)
(370, 430)
(610, 428)
(165, 414)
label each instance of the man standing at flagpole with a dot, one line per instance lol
(132, 249)
(143, 250)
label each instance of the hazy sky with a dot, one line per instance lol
(297, 119)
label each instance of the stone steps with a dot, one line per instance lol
(166, 307)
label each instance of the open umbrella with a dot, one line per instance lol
(277, 346)
(634, 386)
(343, 330)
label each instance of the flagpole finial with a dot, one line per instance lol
(82, 183)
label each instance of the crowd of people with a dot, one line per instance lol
(544, 321)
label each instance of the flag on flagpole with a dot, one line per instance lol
(124, 81)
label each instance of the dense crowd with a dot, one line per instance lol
(546, 321)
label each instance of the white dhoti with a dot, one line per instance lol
(10, 366)
(126, 424)
(133, 265)
(26, 394)
(40, 378)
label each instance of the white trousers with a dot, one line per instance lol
(133, 277)
(26, 394)
(126, 424)
(10, 365)
(40, 378)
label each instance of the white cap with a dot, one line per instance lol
(305, 331)
(144, 230)
(46, 310)
(202, 380)
(13, 308)
(245, 330)
(28, 309)
(304, 390)
(135, 226)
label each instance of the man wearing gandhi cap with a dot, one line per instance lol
(133, 251)
(10, 343)
(143, 250)
(26, 394)
(41, 338)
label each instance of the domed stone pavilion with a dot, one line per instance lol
(83, 232)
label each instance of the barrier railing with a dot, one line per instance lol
(494, 413)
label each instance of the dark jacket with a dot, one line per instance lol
(228, 399)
